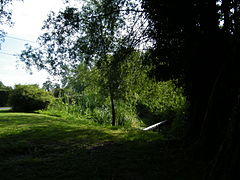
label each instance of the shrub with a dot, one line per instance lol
(164, 101)
(4, 94)
(28, 98)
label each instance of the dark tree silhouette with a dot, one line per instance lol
(197, 42)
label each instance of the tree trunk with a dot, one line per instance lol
(113, 110)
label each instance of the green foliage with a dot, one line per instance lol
(140, 101)
(28, 98)
(49, 85)
(68, 111)
(87, 34)
(126, 114)
(162, 101)
(94, 49)
(163, 96)
(4, 94)
(93, 35)
(92, 88)
(101, 115)
(1, 85)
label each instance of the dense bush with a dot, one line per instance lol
(163, 101)
(28, 98)
(4, 94)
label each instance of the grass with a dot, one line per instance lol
(37, 146)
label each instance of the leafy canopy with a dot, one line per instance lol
(86, 34)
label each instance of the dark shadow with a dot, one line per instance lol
(5, 110)
(149, 118)
(56, 151)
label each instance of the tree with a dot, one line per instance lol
(1, 85)
(4, 94)
(111, 84)
(121, 75)
(91, 36)
(197, 42)
(49, 85)
(5, 16)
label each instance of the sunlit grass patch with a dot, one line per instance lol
(37, 146)
(22, 128)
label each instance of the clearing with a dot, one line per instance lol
(37, 146)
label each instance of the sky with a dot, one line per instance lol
(28, 17)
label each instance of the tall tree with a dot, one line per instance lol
(91, 34)
(198, 43)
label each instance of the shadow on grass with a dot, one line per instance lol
(5, 110)
(63, 152)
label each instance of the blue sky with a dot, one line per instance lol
(28, 17)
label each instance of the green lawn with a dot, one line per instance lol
(36, 146)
